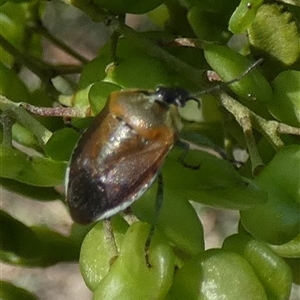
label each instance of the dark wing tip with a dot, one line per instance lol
(85, 198)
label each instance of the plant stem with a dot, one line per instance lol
(39, 28)
(271, 129)
(65, 112)
(24, 118)
(23, 59)
(286, 129)
(66, 69)
(242, 115)
(32, 64)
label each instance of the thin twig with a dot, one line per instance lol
(66, 112)
(24, 118)
(33, 65)
(287, 129)
(42, 30)
(243, 116)
(270, 129)
(65, 69)
(24, 59)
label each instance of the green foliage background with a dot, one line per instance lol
(259, 114)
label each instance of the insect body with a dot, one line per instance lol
(120, 154)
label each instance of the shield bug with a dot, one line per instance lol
(120, 154)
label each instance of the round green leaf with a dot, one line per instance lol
(288, 250)
(130, 277)
(273, 272)
(217, 274)
(280, 216)
(96, 254)
(283, 172)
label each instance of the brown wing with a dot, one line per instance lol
(106, 175)
(133, 173)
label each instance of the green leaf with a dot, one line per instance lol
(215, 182)
(208, 25)
(253, 88)
(13, 21)
(244, 15)
(126, 73)
(185, 236)
(288, 250)
(12, 24)
(9, 291)
(95, 70)
(283, 172)
(217, 274)
(29, 191)
(32, 170)
(99, 94)
(25, 137)
(19, 244)
(34, 246)
(96, 254)
(285, 104)
(281, 214)
(11, 85)
(130, 277)
(61, 144)
(55, 247)
(273, 272)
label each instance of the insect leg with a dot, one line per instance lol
(185, 147)
(158, 205)
(110, 237)
(7, 122)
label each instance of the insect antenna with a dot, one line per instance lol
(221, 85)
